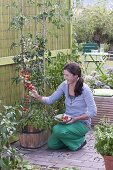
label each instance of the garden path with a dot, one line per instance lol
(85, 159)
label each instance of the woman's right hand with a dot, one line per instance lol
(34, 94)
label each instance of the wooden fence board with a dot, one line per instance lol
(10, 93)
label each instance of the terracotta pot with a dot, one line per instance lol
(108, 162)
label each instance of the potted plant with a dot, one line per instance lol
(103, 133)
(35, 126)
(31, 64)
(34, 120)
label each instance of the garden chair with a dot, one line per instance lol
(92, 55)
(110, 55)
(88, 47)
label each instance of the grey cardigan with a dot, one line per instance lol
(83, 104)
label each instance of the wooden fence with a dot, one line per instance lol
(8, 35)
(10, 92)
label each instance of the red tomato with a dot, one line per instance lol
(27, 77)
(65, 118)
(31, 87)
(21, 72)
(24, 109)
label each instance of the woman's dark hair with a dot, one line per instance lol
(75, 69)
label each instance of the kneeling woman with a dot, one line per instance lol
(79, 104)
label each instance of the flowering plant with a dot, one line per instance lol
(31, 74)
(104, 138)
(96, 80)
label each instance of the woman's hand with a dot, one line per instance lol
(34, 94)
(81, 117)
(72, 120)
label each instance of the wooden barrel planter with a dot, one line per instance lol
(33, 138)
(104, 108)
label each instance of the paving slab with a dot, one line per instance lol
(85, 159)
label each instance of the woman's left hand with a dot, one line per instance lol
(71, 121)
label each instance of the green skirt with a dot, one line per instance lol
(68, 135)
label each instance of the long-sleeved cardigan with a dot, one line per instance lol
(83, 104)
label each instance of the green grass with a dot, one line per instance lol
(92, 66)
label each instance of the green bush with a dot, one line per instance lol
(96, 80)
(104, 138)
(10, 159)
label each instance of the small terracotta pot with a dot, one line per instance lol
(108, 162)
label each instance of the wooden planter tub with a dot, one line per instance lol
(34, 139)
(104, 108)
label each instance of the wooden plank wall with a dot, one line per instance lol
(104, 108)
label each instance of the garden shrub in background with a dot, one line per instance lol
(96, 80)
(93, 19)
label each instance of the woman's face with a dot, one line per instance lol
(70, 77)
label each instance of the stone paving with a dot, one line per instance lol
(84, 159)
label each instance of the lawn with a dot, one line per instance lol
(92, 66)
